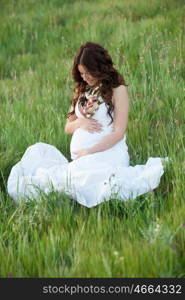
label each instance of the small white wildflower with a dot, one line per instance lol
(115, 253)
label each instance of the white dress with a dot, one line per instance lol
(90, 179)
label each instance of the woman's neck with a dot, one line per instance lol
(92, 87)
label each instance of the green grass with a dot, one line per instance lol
(57, 237)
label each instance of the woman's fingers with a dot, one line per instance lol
(96, 124)
(92, 125)
(95, 129)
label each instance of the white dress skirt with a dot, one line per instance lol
(90, 179)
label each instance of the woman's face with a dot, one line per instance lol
(86, 75)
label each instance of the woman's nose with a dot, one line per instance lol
(85, 76)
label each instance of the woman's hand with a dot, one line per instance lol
(90, 125)
(81, 153)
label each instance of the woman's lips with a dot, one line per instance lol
(89, 81)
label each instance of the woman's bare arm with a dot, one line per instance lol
(121, 108)
(73, 123)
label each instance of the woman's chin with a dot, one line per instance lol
(90, 83)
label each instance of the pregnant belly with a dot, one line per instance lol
(83, 139)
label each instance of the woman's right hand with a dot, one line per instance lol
(91, 125)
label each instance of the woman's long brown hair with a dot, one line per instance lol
(99, 64)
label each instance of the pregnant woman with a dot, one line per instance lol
(97, 120)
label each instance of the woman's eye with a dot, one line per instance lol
(84, 73)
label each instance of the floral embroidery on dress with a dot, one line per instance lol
(90, 101)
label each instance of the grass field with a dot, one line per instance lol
(56, 237)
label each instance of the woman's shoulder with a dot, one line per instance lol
(118, 91)
(119, 88)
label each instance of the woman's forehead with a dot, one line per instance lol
(82, 68)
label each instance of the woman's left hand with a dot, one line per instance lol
(81, 153)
